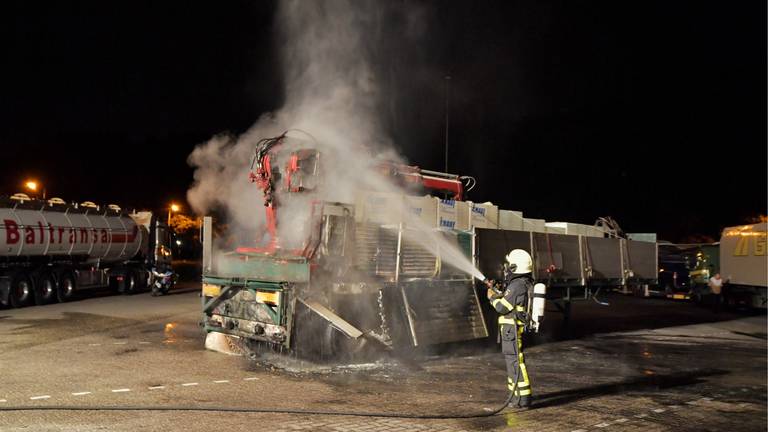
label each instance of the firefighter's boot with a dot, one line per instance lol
(524, 402)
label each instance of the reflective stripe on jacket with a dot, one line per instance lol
(512, 303)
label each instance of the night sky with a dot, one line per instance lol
(651, 112)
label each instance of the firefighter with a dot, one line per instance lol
(510, 301)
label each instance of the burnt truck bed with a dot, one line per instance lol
(395, 291)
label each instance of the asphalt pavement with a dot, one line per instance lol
(638, 364)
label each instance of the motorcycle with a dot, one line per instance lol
(162, 282)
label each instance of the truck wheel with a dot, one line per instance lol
(66, 287)
(22, 290)
(45, 289)
(130, 283)
(313, 337)
(114, 285)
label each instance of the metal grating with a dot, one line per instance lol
(443, 311)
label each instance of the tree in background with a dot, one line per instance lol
(187, 233)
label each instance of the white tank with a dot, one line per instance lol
(39, 229)
(537, 309)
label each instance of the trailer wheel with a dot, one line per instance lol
(45, 289)
(130, 283)
(66, 287)
(113, 285)
(22, 290)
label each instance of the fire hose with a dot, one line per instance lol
(267, 410)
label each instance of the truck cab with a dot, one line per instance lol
(674, 273)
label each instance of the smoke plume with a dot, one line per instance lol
(331, 92)
(330, 53)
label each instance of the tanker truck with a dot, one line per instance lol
(50, 249)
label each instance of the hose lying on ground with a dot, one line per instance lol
(261, 410)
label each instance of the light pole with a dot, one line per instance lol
(447, 118)
(173, 208)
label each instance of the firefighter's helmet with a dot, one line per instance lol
(520, 261)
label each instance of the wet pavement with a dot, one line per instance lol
(639, 364)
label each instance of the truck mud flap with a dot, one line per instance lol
(442, 311)
(336, 321)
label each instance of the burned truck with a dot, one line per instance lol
(393, 269)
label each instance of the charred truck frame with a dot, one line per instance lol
(360, 277)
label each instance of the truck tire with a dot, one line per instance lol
(45, 288)
(22, 290)
(313, 338)
(66, 287)
(114, 285)
(130, 283)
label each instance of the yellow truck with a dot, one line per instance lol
(744, 265)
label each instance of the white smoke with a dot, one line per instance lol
(331, 92)
(332, 98)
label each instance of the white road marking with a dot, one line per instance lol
(743, 405)
(40, 397)
(659, 410)
(641, 415)
(121, 390)
(221, 381)
(250, 379)
(706, 398)
(745, 390)
(188, 384)
(94, 344)
(3, 400)
(579, 430)
(692, 402)
(119, 343)
(622, 420)
(144, 343)
(80, 393)
(156, 387)
(674, 407)
(602, 425)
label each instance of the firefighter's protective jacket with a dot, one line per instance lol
(513, 300)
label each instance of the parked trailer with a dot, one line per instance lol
(574, 267)
(51, 249)
(744, 265)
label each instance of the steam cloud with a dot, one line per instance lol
(332, 92)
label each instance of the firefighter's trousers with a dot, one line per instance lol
(512, 348)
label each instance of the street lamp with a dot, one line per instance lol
(172, 209)
(33, 186)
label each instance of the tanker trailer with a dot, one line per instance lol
(50, 249)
